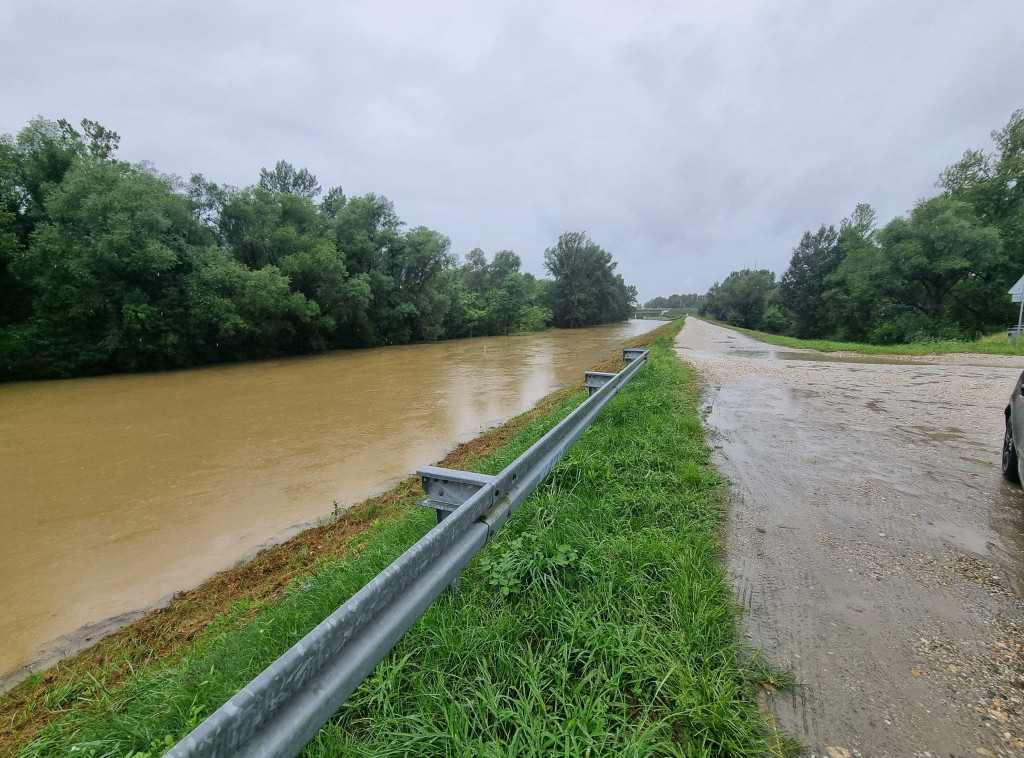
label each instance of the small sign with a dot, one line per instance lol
(1016, 292)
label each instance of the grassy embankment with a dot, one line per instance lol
(993, 344)
(598, 622)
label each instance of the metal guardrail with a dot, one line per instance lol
(279, 711)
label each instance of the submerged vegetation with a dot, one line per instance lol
(597, 622)
(107, 266)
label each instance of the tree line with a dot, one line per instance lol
(688, 300)
(106, 266)
(940, 273)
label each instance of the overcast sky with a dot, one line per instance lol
(689, 139)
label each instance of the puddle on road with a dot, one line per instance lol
(938, 435)
(789, 355)
(958, 533)
(1007, 520)
(804, 393)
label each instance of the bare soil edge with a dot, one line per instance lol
(166, 632)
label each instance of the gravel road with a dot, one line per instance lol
(873, 542)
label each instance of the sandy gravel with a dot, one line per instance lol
(873, 541)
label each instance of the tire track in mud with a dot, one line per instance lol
(872, 541)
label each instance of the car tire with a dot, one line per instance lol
(1010, 468)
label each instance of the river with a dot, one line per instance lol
(118, 491)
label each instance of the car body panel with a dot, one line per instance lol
(1015, 426)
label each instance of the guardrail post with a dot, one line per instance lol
(447, 488)
(630, 354)
(595, 380)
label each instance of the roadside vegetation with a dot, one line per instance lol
(107, 266)
(685, 302)
(993, 344)
(597, 622)
(940, 274)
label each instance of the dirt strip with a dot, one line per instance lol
(873, 542)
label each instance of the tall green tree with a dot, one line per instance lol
(993, 185)
(289, 232)
(15, 297)
(285, 179)
(586, 289)
(850, 297)
(420, 290)
(261, 228)
(105, 269)
(475, 273)
(43, 152)
(802, 287)
(688, 300)
(937, 261)
(365, 228)
(498, 298)
(743, 298)
(207, 199)
(278, 319)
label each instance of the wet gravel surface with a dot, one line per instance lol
(871, 538)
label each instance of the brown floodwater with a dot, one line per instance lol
(117, 491)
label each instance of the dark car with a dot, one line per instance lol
(1013, 440)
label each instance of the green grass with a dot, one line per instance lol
(993, 344)
(597, 622)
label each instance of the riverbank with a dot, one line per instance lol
(120, 491)
(247, 588)
(630, 515)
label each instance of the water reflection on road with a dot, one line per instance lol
(118, 491)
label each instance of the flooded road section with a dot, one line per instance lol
(119, 491)
(873, 541)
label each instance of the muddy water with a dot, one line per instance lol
(118, 491)
(873, 541)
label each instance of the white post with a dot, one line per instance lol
(1016, 294)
